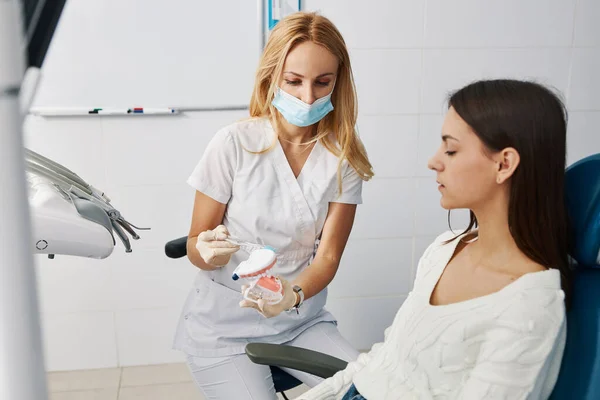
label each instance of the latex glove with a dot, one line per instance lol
(213, 248)
(290, 298)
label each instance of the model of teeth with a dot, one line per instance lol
(256, 270)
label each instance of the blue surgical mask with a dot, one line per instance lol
(299, 113)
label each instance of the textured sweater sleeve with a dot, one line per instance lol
(513, 359)
(335, 387)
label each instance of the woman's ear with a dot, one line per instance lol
(507, 161)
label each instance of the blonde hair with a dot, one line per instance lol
(337, 129)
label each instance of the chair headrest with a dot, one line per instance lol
(582, 191)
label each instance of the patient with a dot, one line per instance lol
(486, 317)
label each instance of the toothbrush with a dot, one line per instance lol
(247, 245)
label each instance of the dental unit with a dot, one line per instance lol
(70, 216)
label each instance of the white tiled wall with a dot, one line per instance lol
(448, 69)
(407, 55)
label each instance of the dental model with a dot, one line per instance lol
(255, 269)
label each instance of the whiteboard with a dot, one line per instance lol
(152, 53)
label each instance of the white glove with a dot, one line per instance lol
(290, 298)
(213, 248)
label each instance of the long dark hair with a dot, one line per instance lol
(533, 120)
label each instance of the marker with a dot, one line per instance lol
(108, 111)
(155, 111)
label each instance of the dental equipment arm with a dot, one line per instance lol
(70, 216)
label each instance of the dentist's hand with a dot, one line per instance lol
(213, 248)
(290, 298)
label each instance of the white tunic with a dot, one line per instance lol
(267, 205)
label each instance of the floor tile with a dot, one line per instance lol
(84, 380)
(96, 394)
(179, 391)
(155, 374)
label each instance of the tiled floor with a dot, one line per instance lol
(155, 382)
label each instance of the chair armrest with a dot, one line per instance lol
(312, 362)
(176, 248)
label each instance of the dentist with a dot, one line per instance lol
(289, 177)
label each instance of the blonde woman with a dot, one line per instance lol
(289, 177)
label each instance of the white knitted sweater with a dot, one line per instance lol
(506, 345)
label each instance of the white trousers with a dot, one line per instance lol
(236, 377)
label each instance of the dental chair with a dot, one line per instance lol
(579, 376)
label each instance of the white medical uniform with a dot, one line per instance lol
(268, 205)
